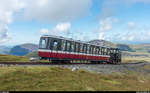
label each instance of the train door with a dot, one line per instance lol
(43, 46)
(55, 47)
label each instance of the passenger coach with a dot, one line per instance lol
(65, 50)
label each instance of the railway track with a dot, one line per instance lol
(41, 63)
(47, 63)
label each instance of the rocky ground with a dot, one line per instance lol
(139, 68)
(124, 68)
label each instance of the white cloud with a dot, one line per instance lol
(105, 26)
(7, 9)
(42, 10)
(131, 37)
(44, 31)
(61, 28)
(101, 36)
(131, 25)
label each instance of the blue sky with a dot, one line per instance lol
(120, 21)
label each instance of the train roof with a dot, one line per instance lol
(79, 41)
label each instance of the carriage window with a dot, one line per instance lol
(102, 51)
(108, 51)
(63, 45)
(72, 46)
(105, 51)
(85, 48)
(68, 46)
(88, 48)
(76, 47)
(91, 49)
(55, 45)
(97, 50)
(94, 50)
(111, 51)
(81, 48)
(43, 42)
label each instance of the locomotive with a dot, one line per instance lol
(58, 49)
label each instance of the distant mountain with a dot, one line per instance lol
(103, 43)
(30, 50)
(21, 50)
(141, 47)
(124, 47)
(4, 49)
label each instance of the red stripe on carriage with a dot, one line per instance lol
(71, 56)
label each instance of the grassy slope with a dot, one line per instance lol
(10, 58)
(141, 58)
(58, 79)
(32, 54)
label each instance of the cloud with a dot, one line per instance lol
(51, 11)
(63, 27)
(4, 36)
(60, 29)
(56, 10)
(44, 31)
(105, 25)
(131, 25)
(7, 9)
(109, 9)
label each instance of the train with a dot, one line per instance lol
(58, 49)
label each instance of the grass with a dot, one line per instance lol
(11, 58)
(135, 59)
(62, 79)
(142, 57)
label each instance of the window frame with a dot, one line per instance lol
(40, 45)
(58, 45)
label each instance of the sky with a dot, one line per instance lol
(119, 21)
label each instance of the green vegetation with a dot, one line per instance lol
(11, 58)
(62, 79)
(32, 54)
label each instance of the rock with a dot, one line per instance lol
(75, 68)
(32, 59)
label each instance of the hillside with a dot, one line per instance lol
(21, 50)
(103, 43)
(141, 47)
(63, 79)
(11, 58)
(32, 54)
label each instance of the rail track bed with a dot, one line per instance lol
(48, 63)
(123, 68)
